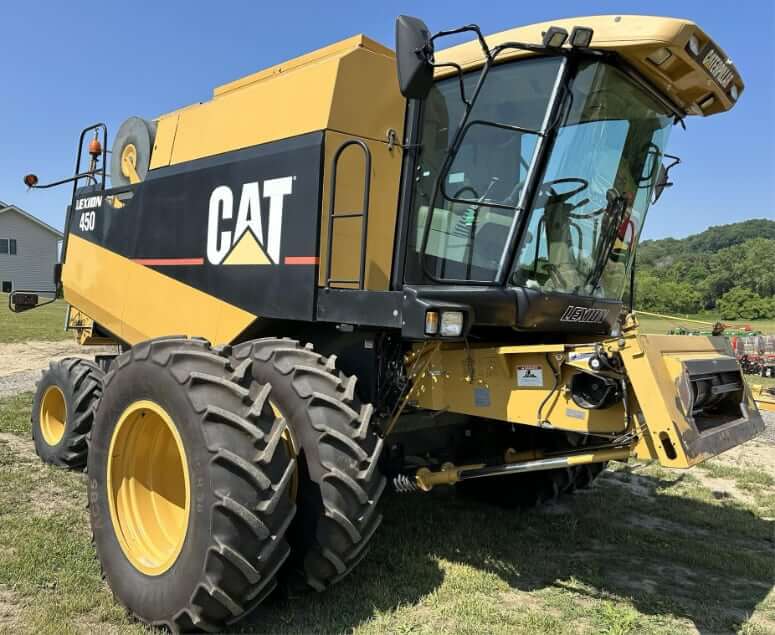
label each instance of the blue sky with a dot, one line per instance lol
(66, 65)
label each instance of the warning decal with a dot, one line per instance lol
(530, 376)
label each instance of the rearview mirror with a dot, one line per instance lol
(22, 301)
(661, 183)
(414, 52)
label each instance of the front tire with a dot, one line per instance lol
(63, 410)
(339, 480)
(188, 487)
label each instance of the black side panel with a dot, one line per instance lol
(260, 207)
(564, 313)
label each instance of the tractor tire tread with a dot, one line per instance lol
(350, 483)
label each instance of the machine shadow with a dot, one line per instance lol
(628, 537)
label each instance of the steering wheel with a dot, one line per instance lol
(612, 196)
(547, 189)
(466, 188)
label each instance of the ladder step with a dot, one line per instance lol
(344, 282)
(349, 215)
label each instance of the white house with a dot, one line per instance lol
(29, 248)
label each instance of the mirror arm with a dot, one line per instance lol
(469, 28)
(77, 177)
(459, 79)
(675, 161)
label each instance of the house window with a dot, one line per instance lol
(12, 246)
(7, 286)
(3, 245)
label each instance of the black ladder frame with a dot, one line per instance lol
(363, 214)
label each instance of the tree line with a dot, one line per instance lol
(727, 269)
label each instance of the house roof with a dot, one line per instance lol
(7, 208)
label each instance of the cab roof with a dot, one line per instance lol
(686, 79)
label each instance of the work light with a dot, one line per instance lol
(660, 56)
(555, 37)
(581, 37)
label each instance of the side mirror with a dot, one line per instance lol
(19, 302)
(414, 52)
(661, 183)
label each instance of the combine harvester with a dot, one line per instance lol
(331, 277)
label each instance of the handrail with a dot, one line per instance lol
(363, 214)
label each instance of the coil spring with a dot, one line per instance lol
(404, 484)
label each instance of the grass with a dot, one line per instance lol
(44, 324)
(660, 326)
(764, 381)
(750, 479)
(646, 550)
(15, 414)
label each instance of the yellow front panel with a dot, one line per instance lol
(654, 365)
(484, 383)
(137, 303)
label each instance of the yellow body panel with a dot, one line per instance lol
(383, 207)
(654, 367)
(482, 381)
(634, 38)
(136, 303)
(166, 128)
(322, 90)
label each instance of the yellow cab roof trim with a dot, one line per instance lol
(681, 78)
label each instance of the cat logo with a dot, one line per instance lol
(244, 242)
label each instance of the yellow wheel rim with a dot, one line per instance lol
(53, 415)
(293, 450)
(148, 487)
(129, 163)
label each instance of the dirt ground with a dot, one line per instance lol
(21, 363)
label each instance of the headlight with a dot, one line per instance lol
(451, 323)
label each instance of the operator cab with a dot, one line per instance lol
(536, 169)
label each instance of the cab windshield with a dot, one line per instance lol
(588, 212)
(592, 193)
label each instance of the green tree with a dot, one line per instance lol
(742, 303)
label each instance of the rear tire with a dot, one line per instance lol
(339, 480)
(202, 537)
(63, 410)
